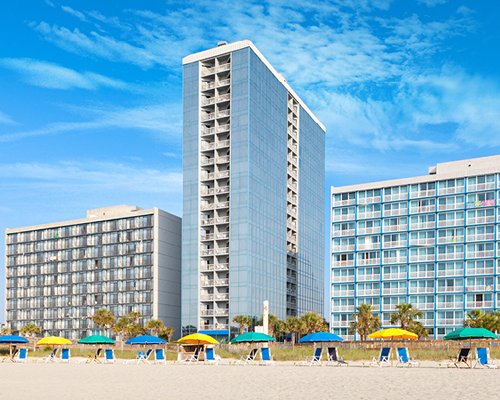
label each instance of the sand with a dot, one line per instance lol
(279, 381)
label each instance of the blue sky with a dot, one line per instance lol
(91, 107)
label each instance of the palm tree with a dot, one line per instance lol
(155, 326)
(166, 333)
(313, 322)
(364, 322)
(292, 326)
(405, 315)
(31, 330)
(6, 331)
(105, 318)
(475, 319)
(417, 328)
(243, 321)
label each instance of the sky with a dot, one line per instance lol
(91, 92)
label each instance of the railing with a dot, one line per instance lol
(481, 186)
(347, 202)
(206, 297)
(223, 159)
(206, 101)
(480, 237)
(207, 71)
(422, 209)
(401, 275)
(451, 239)
(480, 271)
(343, 293)
(206, 313)
(222, 235)
(422, 257)
(207, 117)
(368, 246)
(450, 256)
(222, 296)
(367, 231)
(423, 193)
(479, 288)
(454, 206)
(223, 128)
(450, 190)
(369, 261)
(481, 220)
(450, 222)
(398, 211)
(222, 189)
(480, 254)
(209, 282)
(208, 161)
(218, 220)
(223, 143)
(223, 97)
(207, 237)
(222, 311)
(479, 304)
(207, 131)
(401, 243)
(224, 82)
(222, 250)
(343, 248)
(424, 306)
(421, 274)
(400, 290)
(207, 145)
(208, 177)
(343, 308)
(346, 232)
(222, 204)
(367, 277)
(396, 196)
(222, 282)
(207, 252)
(368, 292)
(451, 272)
(423, 225)
(369, 200)
(222, 174)
(395, 228)
(223, 113)
(340, 323)
(421, 289)
(449, 305)
(394, 260)
(449, 321)
(348, 278)
(343, 217)
(223, 67)
(369, 215)
(450, 289)
(207, 85)
(209, 206)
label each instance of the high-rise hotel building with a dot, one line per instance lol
(432, 241)
(121, 258)
(253, 191)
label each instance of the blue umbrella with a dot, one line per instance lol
(13, 339)
(320, 337)
(145, 340)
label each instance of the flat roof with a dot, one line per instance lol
(96, 215)
(442, 171)
(230, 47)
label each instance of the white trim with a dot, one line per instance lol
(228, 48)
(156, 262)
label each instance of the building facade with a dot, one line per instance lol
(253, 167)
(120, 258)
(432, 241)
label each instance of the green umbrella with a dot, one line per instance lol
(250, 337)
(96, 339)
(470, 333)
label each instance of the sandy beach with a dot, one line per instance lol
(279, 381)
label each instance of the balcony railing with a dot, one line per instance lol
(342, 293)
(422, 257)
(223, 113)
(480, 254)
(479, 288)
(401, 275)
(223, 82)
(207, 161)
(394, 260)
(480, 186)
(423, 193)
(480, 271)
(480, 237)
(395, 196)
(422, 209)
(343, 217)
(207, 85)
(347, 202)
(369, 200)
(422, 242)
(206, 297)
(395, 228)
(451, 190)
(399, 290)
(367, 231)
(221, 296)
(368, 292)
(479, 304)
(343, 248)
(450, 222)
(369, 261)
(401, 243)
(224, 67)
(340, 278)
(222, 189)
(223, 159)
(349, 308)
(368, 277)
(223, 128)
(421, 289)
(481, 220)
(450, 239)
(449, 305)
(423, 225)
(454, 206)
(450, 256)
(421, 274)
(369, 215)
(368, 246)
(399, 211)
(424, 306)
(450, 272)
(450, 289)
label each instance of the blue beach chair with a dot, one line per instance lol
(316, 358)
(265, 356)
(483, 359)
(383, 359)
(109, 356)
(334, 359)
(65, 355)
(404, 359)
(210, 357)
(22, 356)
(160, 356)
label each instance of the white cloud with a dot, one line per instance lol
(164, 120)
(91, 176)
(75, 13)
(6, 119)
(53, 76)
(432, 3)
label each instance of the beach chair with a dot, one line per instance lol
(334, 359)
(160, 356)
(315, 359)
(52, 356)
(109, 356)
(462, 359)
(483, 359)
(383, 359)
(250, 358)
(65, 355)
(265, 356)
(194, 358)
(404, 359)
(210, 357)
(22, 356)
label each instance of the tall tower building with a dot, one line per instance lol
(253, 192)
(432, 241)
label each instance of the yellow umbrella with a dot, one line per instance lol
(53, 341)
(393, 333)
(197, 338)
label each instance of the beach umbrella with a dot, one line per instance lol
(252, 337)
(145, 340)
(319, 337)
(12, 339)
(197, 339)
(53, 341)
(96, 339)
(393, 333)
(470, 333)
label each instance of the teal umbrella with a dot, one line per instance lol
(253, 337)
(96, 339)
(470, 333)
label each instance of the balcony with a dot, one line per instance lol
(399, 211)
(398, 290)
(480, 254)
(341, 248)
(207, 117)
(449, 305)
(401, 243)
(207, 161)
(208, 177)
(369, 261)
(423, 225)
(480, 271)
(451, 190)
(368, 246)
(347, 202)
(216, 326)
(479, 304)
(481, 220)
(422, 257)
(207, 252)
(224, 82)
(209, 282)
(209, 206)
(480, 237)
(222, 204)
(222, 189)
(481, 186)
(222, 143)
(423, 209)
(369, 200)
(222, 251)
(396, 196)
(450, 256)
(450, 239)
(451, 222)
(223, 113)
(342, 217)
(454, 206)
(223, 159)
(340, 278)
(222, 235)
(346, 232)
(207, 237)
(424, 306)
(450, 272)
(343, 308)
(206, 297)
(479, 288)
(223, 128)
(421, 274)
(450, 321)
(207, 145)
(422, 193)
(207, 131)
(207, 313)
(224, 67)
(214, 221)
(222, 282)
(369, 277)
(207, 85)
(422, 242)
(421, 289)
(342, 293)
(367, 231)
(389, 307)
(369, 215)
(394, 260)
(220, 312)
(450, 289)
(221, 296)
(368, 292)
(401, 275)
(207, 71)
(395, 228)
